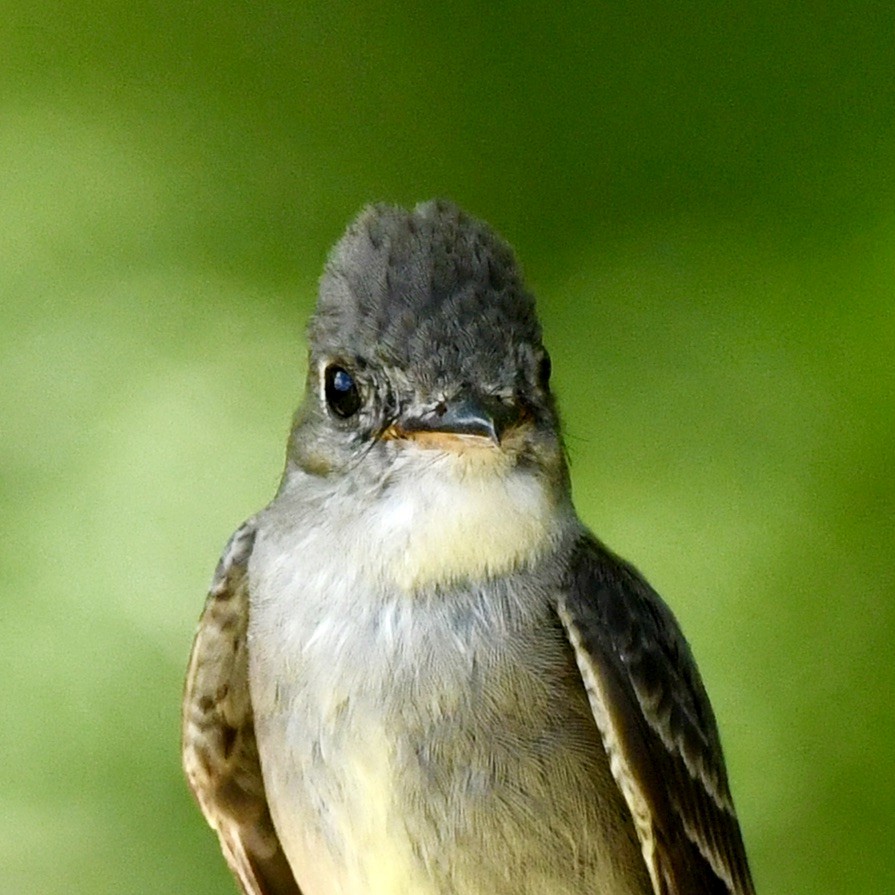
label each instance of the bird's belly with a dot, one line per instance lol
(339, 826)
(395, 813)
(433, 748)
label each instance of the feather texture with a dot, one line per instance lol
(657, 726)
(220, 755)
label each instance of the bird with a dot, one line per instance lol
(417, 672)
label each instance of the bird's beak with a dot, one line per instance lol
(467, 420)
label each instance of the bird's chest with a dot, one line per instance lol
(413, 743)
(373, 721)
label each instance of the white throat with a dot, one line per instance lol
(452, 517)
(440, 517)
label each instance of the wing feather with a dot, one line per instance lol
(220, 755)
(657, 726)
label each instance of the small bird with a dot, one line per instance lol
(417, 672)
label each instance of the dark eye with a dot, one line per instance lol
(342, 394)
(544, 370)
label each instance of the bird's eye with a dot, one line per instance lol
(544, 370)
(342, 393)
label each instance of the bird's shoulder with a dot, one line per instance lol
(656, 723)
(220, 754)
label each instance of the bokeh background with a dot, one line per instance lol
(702, 197)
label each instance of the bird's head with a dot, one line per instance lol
(425, 339)
(427, 374)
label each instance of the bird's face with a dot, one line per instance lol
(377, 419)
(428, 409)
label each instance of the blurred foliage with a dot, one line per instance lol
(702, 197)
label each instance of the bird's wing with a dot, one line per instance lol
(220, 755)
(657, 726)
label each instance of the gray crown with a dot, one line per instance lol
(433, 291)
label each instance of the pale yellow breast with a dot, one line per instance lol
(376, 858)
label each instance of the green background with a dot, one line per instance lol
(702, 197)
